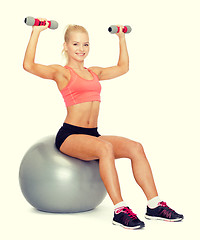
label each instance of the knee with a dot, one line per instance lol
(106, 149)
(137, 149)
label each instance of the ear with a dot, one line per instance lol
(65, 47)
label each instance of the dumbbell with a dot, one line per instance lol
(116, 29)
(31, 21)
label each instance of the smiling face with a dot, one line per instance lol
(77, 47)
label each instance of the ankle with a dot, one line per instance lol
(153, 203)
(120, 205)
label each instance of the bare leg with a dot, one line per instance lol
(143, 174)
(89, 148)
(109, 176)
(126, 148)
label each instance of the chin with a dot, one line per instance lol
(80, 58)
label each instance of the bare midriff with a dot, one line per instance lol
(83, 114)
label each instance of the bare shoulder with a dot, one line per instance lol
(96, 70)
(61, 70)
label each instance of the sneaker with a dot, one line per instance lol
(125, 218)
(163, 212)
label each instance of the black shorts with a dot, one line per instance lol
(67, 129)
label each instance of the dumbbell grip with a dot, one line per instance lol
(30, 21)
(115, 29)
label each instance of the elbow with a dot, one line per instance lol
(125, 69)
(27, 66)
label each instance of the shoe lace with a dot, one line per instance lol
(130, 213)
(164, 204)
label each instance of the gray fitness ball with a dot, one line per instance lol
(53, 182)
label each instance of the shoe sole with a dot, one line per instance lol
(130, 228)
(163, 219)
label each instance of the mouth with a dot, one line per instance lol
(80, 54)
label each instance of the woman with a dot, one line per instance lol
(79, 137)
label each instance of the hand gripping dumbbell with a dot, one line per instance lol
(116, 29)
(30, 21)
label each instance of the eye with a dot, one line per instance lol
(87, 45)
(75, 44)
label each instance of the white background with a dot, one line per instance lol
(155, 103)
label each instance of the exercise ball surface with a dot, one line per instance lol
(54, 182)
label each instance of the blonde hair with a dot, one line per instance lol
(72, 28)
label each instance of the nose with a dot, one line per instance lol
(81, 47)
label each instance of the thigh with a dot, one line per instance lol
(84, 147)
(122, 147)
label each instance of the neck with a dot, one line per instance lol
(75, 64)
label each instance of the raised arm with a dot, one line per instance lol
(48, 72)
(122, 66)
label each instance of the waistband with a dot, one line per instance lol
(75, 128)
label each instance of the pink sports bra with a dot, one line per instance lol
(80, 90)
